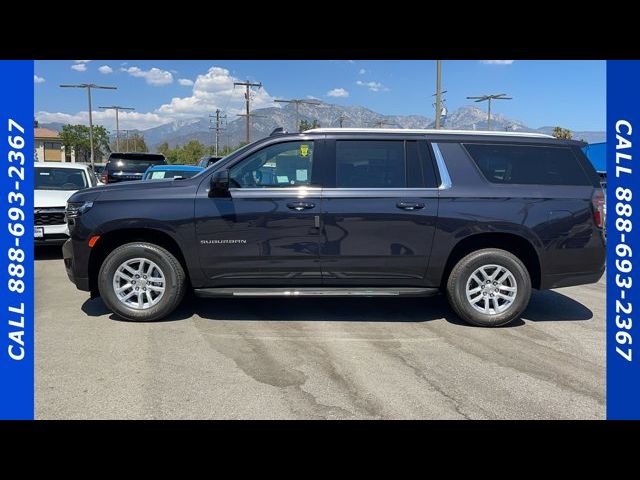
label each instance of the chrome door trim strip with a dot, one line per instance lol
(442, 167)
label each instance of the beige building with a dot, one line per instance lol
(48, 147)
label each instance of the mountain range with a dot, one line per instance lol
(467, 117)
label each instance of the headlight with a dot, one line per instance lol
(75, 209)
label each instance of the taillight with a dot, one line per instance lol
(104, 177)
(599, 209)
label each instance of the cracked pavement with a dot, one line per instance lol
(344, 358)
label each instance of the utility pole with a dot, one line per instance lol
(297, 102)
(247, 99)
(117, 108)
(441, 110)
(217, 128)
(341, 119)
(89, 86)
(438, 92)
(488, 98)
(126, 136)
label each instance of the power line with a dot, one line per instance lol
(217, 128)
(247, 99)
(117, 108)
(297, 102)
(89, 86)
(381, 123)
(488, 98)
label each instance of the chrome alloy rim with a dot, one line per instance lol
(491, 289)
(139, 283)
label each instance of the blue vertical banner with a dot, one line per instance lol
(623, 247)
(16, 240)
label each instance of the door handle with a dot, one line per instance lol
(410, 205)
(300, 206)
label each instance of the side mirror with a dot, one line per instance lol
(219, 184)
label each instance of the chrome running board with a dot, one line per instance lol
(317, 292)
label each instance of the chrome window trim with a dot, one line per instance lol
(445, 179)
(275, 192)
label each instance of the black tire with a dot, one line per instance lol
(175, 281)
(457, 284)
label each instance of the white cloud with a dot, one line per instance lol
(37, 79)
(153, 76)
(106, 69)
(185, 82)
(362, 71)
(373, 86)
(497, 62)
(79, 67)
(212, 90)
(338, 92)
(127, 119)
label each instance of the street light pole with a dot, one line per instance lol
(117, 108)
(89, 86)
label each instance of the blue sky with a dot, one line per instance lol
(546, 93)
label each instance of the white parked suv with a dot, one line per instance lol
(54, 183)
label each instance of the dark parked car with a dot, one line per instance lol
(122, 167)
(208, 160)
(481, 216)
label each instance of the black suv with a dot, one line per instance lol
(483, 217)
(122, 167)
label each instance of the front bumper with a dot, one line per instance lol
(53, 235)
(81, 283)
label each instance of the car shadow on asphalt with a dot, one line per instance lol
(545, 306)
(48, 252)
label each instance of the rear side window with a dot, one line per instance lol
(526, 164)
(370, 164)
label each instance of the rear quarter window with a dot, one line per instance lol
(528, 164)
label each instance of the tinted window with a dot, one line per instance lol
(162, 174)
(59, 179)
(370, 164)
(280, 165)
(524, 164)
(128, 165)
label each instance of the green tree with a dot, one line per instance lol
(76, 137)
(307, 125)
(560, 132)
(131, 143)
(191, 152)
(163, 148)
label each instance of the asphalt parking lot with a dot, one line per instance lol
(316, 358)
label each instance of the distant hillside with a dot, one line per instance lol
(469, 117)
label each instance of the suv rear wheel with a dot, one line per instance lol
(141, 282)
(489, 287)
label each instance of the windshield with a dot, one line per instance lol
(52, 178)
(137, 166)
(162, 174)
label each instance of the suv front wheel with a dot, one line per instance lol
(489, 287)
(141, 282)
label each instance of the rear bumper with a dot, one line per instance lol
(81, 282)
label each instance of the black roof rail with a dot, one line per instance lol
(278, 131)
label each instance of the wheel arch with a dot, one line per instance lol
(513, 243)
(115, 238)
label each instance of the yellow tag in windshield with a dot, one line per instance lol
(304, 150)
